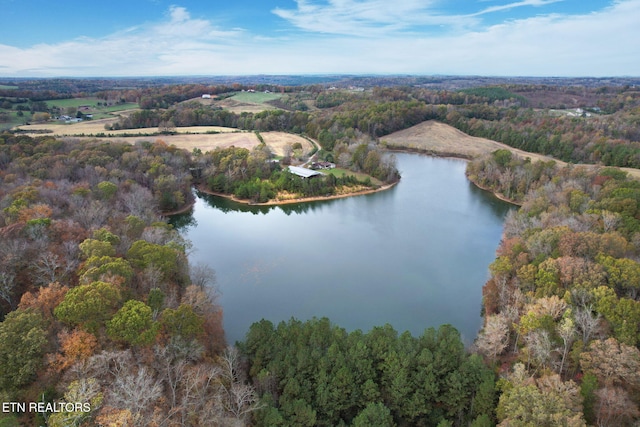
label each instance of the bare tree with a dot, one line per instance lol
(49, 268)
(7, 285)
(202, 275)
(172, 371)
(135, 392)
(137, 201)
(240, 398)
(150, 278)
(494, 337)
(91, 214)
(200, 397)
(587, 322)
(539, 345)
(567, 331)
(614, 407)
(610, 220)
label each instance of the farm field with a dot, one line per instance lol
(96, 128)
(205, 138)
(90, 106)
(249, 102)
(255, 97)
(443, 140)
(276, 141)
(14, 119)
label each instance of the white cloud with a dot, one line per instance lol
(366, 18)
(509, 6)
(598, 43)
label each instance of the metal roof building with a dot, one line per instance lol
(304, 172)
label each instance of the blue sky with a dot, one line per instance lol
(44, 38)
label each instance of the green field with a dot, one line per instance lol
(73, 102)
(14, 119)
(255, 97)
(339, 172)
(92, 107)
(5, 87)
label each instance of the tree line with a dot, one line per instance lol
(314, 373)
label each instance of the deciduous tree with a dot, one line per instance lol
(23, 337)
(494, 337)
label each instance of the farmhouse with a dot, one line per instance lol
(322, 165)
(304, 172)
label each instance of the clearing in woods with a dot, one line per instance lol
(205, 138)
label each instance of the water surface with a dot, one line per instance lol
(415, 256)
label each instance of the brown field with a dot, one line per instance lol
(444, 140)
(441, 139)
(187, 137)
(95, 127)
(276, 141)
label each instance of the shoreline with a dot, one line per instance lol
(186, 208)
(297, 200)
(430, 153)
(456, 156)
(498, 195)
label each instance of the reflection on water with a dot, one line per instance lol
(414, 256)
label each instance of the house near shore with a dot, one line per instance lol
(322, 165)
(304, 172)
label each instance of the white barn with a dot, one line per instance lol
(304, 172)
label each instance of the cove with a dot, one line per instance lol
(414, 256)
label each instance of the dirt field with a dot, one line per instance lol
(276, 141)
(95, 127)
(187, 137)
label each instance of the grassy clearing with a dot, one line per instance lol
(339, 172)
(14, 119)
(440, 139)
(6, 87)
(255, 97)
(73, 102)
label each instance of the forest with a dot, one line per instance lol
(100, 305)
(562, 306)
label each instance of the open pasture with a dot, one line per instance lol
(444, 140)
(248, 102)
(276, 141)
(90, 105)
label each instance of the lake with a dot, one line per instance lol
(414, 256)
